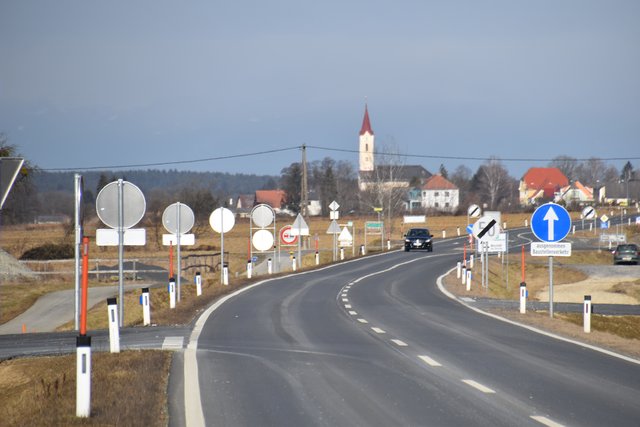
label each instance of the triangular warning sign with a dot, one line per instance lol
(299, 227)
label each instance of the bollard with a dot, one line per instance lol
(469, 280)
(526, 222)
(83, 376)
(317, 258)
(458, 231)
(172, 293)
(341, 254)
(269, 266)
(249, 269)
(225, 275)
(471, 261)
(458, 269)
(293, 263)
(523, 298)
(198, 280)
(146, 309)
(464, 275)
(388, 245)
(444, 234)
(114, 331)
(587, 313)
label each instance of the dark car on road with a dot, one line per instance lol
(418, 238)
(626, 254)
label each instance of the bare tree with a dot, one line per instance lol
(493, 182)
(591, 172)
(568, 166)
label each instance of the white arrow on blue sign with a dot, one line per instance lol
(550, 222)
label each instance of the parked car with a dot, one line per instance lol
(626, 254)
(418, 238)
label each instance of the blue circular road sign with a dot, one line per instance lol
(550, 222)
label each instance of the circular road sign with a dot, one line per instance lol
(133, 204)
(170, 218)
(589, 212)
(474, 211)
(263, 215)
(286, 237)
(550, 222)
(482, 224)
(262, 240)
(222, 217)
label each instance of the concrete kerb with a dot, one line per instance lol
(531, 328)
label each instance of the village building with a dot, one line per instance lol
(539, 185)
(440, 194)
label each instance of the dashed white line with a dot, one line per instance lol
(345, 300)
(429, 361)
(377, 330)
(347, 306)
(353, 313)
(546, 421)
(362, 321)
(399, 343)
(478, 386)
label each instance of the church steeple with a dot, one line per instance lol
(366, 143)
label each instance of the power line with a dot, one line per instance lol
(172, 163)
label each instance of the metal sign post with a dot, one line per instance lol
(78, 188)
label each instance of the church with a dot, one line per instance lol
(372, 175)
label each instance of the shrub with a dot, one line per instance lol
(49, 251)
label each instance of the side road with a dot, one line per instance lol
(57, 308)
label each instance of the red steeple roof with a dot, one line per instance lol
(366, 124)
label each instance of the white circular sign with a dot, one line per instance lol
(286, 237)
(170, 218)
(133, 204)
(589, 212)
(262, 215)
(474, 211)
(222, 217)
(262, 240)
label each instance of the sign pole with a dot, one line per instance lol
(178, 248)
(78, 248)
(121, 250)
(551, 286)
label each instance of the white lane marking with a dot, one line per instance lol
(546, 421)
(478, 386)
(345, 300)
(399, 343)
(172, 343)
(377, 330)
(467, 299)
(347, 306)
(353, 313)
(362, 321)
(429, 361)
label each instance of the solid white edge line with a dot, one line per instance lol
(531, 328)
(400, 343)
(478, 386)
(194, 416)
(429, 361)
(546, 421)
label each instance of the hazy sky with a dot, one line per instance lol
(87, 83)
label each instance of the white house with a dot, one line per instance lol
(440, 194)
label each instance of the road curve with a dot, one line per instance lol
(373, 342)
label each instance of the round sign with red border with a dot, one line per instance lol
(286, 237)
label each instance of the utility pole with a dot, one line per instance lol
(304, 190)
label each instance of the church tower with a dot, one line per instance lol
(366, 144)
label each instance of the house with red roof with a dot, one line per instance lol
(541, 184)
(575, 194)
(274, 198)
(440, 194)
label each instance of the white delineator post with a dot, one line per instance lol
(471, 261)
(269, 266)
(587, 313)
(458, 269)
(146, 307)
(464, 275)
(523, 298)
(249, 269)
(198, 280)
(114, 329)
(172, 293)
(293, 263)
(225, 275)
(317, 258)
(341, 254)
(83, 376)
(469, 280)
(388, 245)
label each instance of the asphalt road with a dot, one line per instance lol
(373, 342)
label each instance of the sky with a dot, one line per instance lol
(205, 85)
